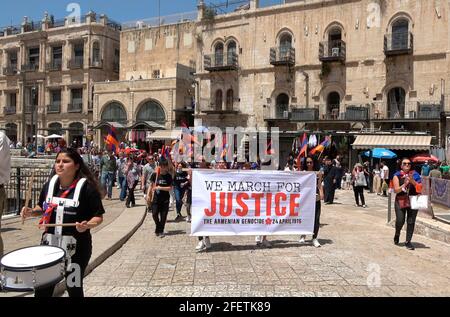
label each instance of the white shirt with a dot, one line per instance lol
(384, 173)
(5, 159)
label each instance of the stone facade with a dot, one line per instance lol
(156, 88)
(327, 65)
(53, 64)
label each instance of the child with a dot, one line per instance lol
(348, 180)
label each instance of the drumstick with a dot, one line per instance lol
(54, 225)
(28, 194)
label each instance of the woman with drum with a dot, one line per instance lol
(74, 182)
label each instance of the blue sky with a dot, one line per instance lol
(120, 10)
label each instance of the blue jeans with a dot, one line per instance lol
(106, 181)
(123, 188)
(179, 193)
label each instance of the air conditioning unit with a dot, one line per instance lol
(335, 51)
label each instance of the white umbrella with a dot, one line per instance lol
(54, 136)
(39, 136)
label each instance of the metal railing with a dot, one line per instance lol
(30, 67)
(9, 110)
(398, 43)
(75, 107)
(18, 185)
(408, 110)
(76, 62)
(54, 108)
(55, 65)
(305, 114)
(332, 51)
(282, 55)
(227, 61)
(164, 20)
(10, 70)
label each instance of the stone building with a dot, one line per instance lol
(47, 73)
(156, 90)
(343, 68)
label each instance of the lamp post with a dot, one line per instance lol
(34, 116)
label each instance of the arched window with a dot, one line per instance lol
(96, 53)
(396, 103)
(114, 112)
(400, 32)
(151, 111)
(230, 99)
(218, 54)
(231, 52)
(282, 106)
(219, 99)
(55, 128)
(333, 105)
(334, 41)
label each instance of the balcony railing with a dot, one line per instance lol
(407, 111)
(332, 51)
(30, 67)
(76, 63)
(9, 71)
(429, 111)
(75, 106)
(277, 115)
(221, 62)
(55, 65)
(282, 56)
(54, 108)
(96, 64)
(399, 43)
(9, 110)
(305, 114)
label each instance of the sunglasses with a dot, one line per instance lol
(406, 164)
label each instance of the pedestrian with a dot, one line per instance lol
(384, 174)
(180, 182)
(72, 178)
(407, 183)
(377, 180)
(108, 168)
(425, 171)
(121, 167)
(348, 179)
(188, 196)
(339, 172)
(163, 185)
(435, 172)
(132, 174)
(5, 171)
(147, 172)
(329, 180)
(312, 165)
(359, 183)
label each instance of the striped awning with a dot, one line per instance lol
(393, 142)
(165, 135)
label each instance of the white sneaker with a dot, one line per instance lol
(188, 219)
(207, 243)
(316, 243)
(201, 246)
(302, 239)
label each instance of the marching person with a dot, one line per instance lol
(312, 165)
(147, 172)
(181, 182)
(407, 182)
(329, 180)
(74, 182)
(108, 168)
(132, 174)
(5, 171)
(161, 184)
(359, 183)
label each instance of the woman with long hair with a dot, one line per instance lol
(359, 183)
(310, 164)
(407, 182)
(71, 176)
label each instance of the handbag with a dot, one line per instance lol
(403, 201)
(419, 202)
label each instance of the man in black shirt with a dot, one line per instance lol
(329, 180)
(163, 185)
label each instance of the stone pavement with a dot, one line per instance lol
(358, 258)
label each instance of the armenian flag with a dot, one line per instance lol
(321, 147)
(111, 140)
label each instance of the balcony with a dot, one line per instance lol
(332, 51)
(220, 62)
(409, 111)
(76, 63)
(9, 110)
(429, 111)
(30, 67)
(10, 71)
(55, 65)
(282, 56)
(54, 108)
(96, 64)
(76, 106)
(305, 114)
(277, 116)
(401, 43)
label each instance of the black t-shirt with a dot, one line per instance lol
(180, 178)
(163, 181)
(90, 206)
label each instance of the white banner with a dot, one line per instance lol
(247, 202)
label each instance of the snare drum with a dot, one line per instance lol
(31, 268)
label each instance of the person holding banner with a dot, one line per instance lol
(407, 182)
(312, 165)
